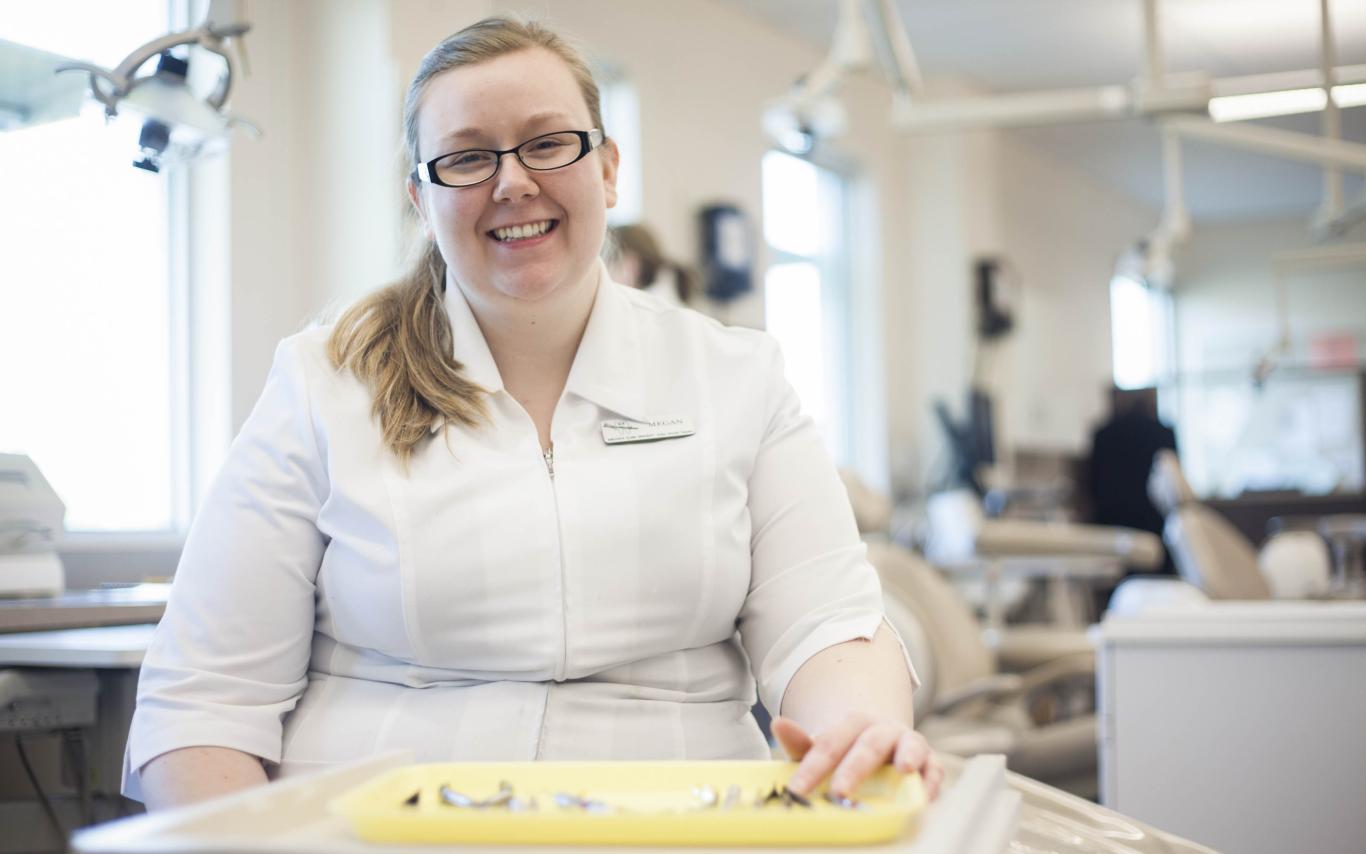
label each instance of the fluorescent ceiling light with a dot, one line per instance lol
(1234, 108)
(1350, 96)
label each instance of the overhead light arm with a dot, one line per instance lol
(122, 78)
(809, 111)
(1155, 66)
(899, 63)
(178, 124)
(1331, 120)
(1274, 141)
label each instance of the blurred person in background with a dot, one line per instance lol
(634, 258)
(1122, 453)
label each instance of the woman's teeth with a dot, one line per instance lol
(522, 232)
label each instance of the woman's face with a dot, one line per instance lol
(500, 104)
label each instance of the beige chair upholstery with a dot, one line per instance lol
(960, 531)
(1208, 551)
(973, 707)
(872, 509)
(1136, 548)
(1167, 485)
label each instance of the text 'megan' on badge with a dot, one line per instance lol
(621, 431)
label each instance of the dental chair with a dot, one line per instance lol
(1065, 555)
(1042, 719)
(1219, 560)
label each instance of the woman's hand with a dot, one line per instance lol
(853, 749)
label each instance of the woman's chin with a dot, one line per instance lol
(527, 288)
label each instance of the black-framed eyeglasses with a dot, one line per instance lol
(540, 154)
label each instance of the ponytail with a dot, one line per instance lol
(398, 342)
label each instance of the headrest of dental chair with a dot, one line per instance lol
(872, 509)
(1213, 555)
(1167, 486)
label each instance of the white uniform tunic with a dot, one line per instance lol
(329, 604)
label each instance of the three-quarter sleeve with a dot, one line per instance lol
(229, 658)
(810, 584)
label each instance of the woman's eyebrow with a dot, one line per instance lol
(465, 135)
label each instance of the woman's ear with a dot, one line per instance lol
(611, 158)
(415, 196)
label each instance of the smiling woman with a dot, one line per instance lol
(584, 522)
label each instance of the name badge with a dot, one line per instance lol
(621, 431)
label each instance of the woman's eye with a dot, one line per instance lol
(546, 144)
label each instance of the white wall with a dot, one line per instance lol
(270, 294)
(316, 202)
(1063, 233)
(1058, 234)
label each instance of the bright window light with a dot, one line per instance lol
(85, 308)
(792, 314)
(621, 115)
(792, 205)
(1140, 333)
(807, 290)
(92, 30)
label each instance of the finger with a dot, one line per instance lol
(934, 777)
(794, 740)
(912, 751)
(827, 749)
(873, 748)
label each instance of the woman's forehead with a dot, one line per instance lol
(519, 92)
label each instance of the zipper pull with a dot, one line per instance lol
(549, 457)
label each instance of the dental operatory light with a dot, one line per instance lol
(178, 123)
(1148, 263)
(798, 123)
(811, 110)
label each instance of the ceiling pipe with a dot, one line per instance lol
(1330, 210)
(899, 63)
(1274, 141)
(1155, 66)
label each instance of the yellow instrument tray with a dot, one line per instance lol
(652, 803)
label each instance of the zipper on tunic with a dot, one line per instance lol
(548, 455)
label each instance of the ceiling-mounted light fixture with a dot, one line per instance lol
(1262, 105)
(178, 123)
(867, 31)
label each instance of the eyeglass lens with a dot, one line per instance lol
(544, 152)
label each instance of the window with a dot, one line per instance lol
(621, 115)
(1140, 333)
(806, 288)
(92, 347)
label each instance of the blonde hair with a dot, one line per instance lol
(397, 340)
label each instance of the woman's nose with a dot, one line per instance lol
(514, 181)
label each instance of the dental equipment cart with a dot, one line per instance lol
(1238, 724)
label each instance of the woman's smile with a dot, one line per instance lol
(525, 235)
